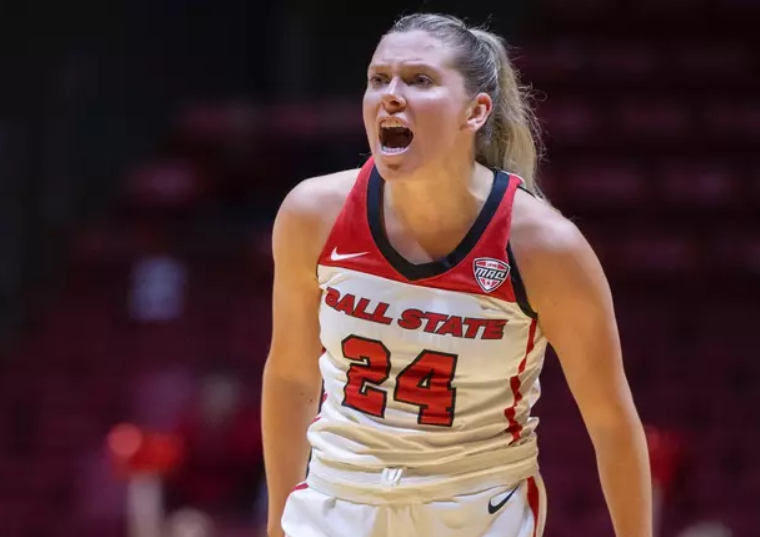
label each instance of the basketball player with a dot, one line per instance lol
(406, 273)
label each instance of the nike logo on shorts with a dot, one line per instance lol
(335, 256)
(493, 507)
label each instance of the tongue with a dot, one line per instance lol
(397, 137)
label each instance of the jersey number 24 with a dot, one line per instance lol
(425, 383)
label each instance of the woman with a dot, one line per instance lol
(406, 273)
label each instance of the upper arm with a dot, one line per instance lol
(569, 290)
(297, 239)
(300, 230)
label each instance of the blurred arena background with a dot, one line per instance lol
(145, 146)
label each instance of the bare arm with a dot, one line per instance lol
(292, 381)
(569, 291)
(291, 384)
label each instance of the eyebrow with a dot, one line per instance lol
(414, 63)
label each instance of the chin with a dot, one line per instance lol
(395, 167)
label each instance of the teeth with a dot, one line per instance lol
(390, 123)
(393, 149)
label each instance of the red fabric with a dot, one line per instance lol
(219, 459)
(665, 454)
(133, 450)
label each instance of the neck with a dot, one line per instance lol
(439, 206)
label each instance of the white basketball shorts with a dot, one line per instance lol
(508, 511)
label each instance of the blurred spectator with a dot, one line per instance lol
(707, 529)
(158, 279)
(222, 465)
(158, 283)
(666, 454)
(189, 523)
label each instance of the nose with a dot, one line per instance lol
(393, 98)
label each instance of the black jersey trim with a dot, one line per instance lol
(412, 271)
(521, 295)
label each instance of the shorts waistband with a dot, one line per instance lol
(422, 485)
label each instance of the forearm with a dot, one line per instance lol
(288, 407)
(623, 463)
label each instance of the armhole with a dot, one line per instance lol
(519, 287)
(521, 186)
(361, 175)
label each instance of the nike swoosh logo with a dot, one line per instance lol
(493, 507)
(335, 256)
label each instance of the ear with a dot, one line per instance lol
(478, 111)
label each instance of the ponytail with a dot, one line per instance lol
(511, 141)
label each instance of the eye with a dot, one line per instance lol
(422, 81)
(376, 80)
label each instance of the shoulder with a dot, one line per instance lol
(324, 191)
(319, 197)
(551, 251)
(309, 211)
(538, 227)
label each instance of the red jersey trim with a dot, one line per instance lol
(484, 270)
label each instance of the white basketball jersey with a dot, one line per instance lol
(430, 367)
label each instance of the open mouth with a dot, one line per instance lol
(395, 137)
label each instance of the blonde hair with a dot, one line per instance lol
(509, 140)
